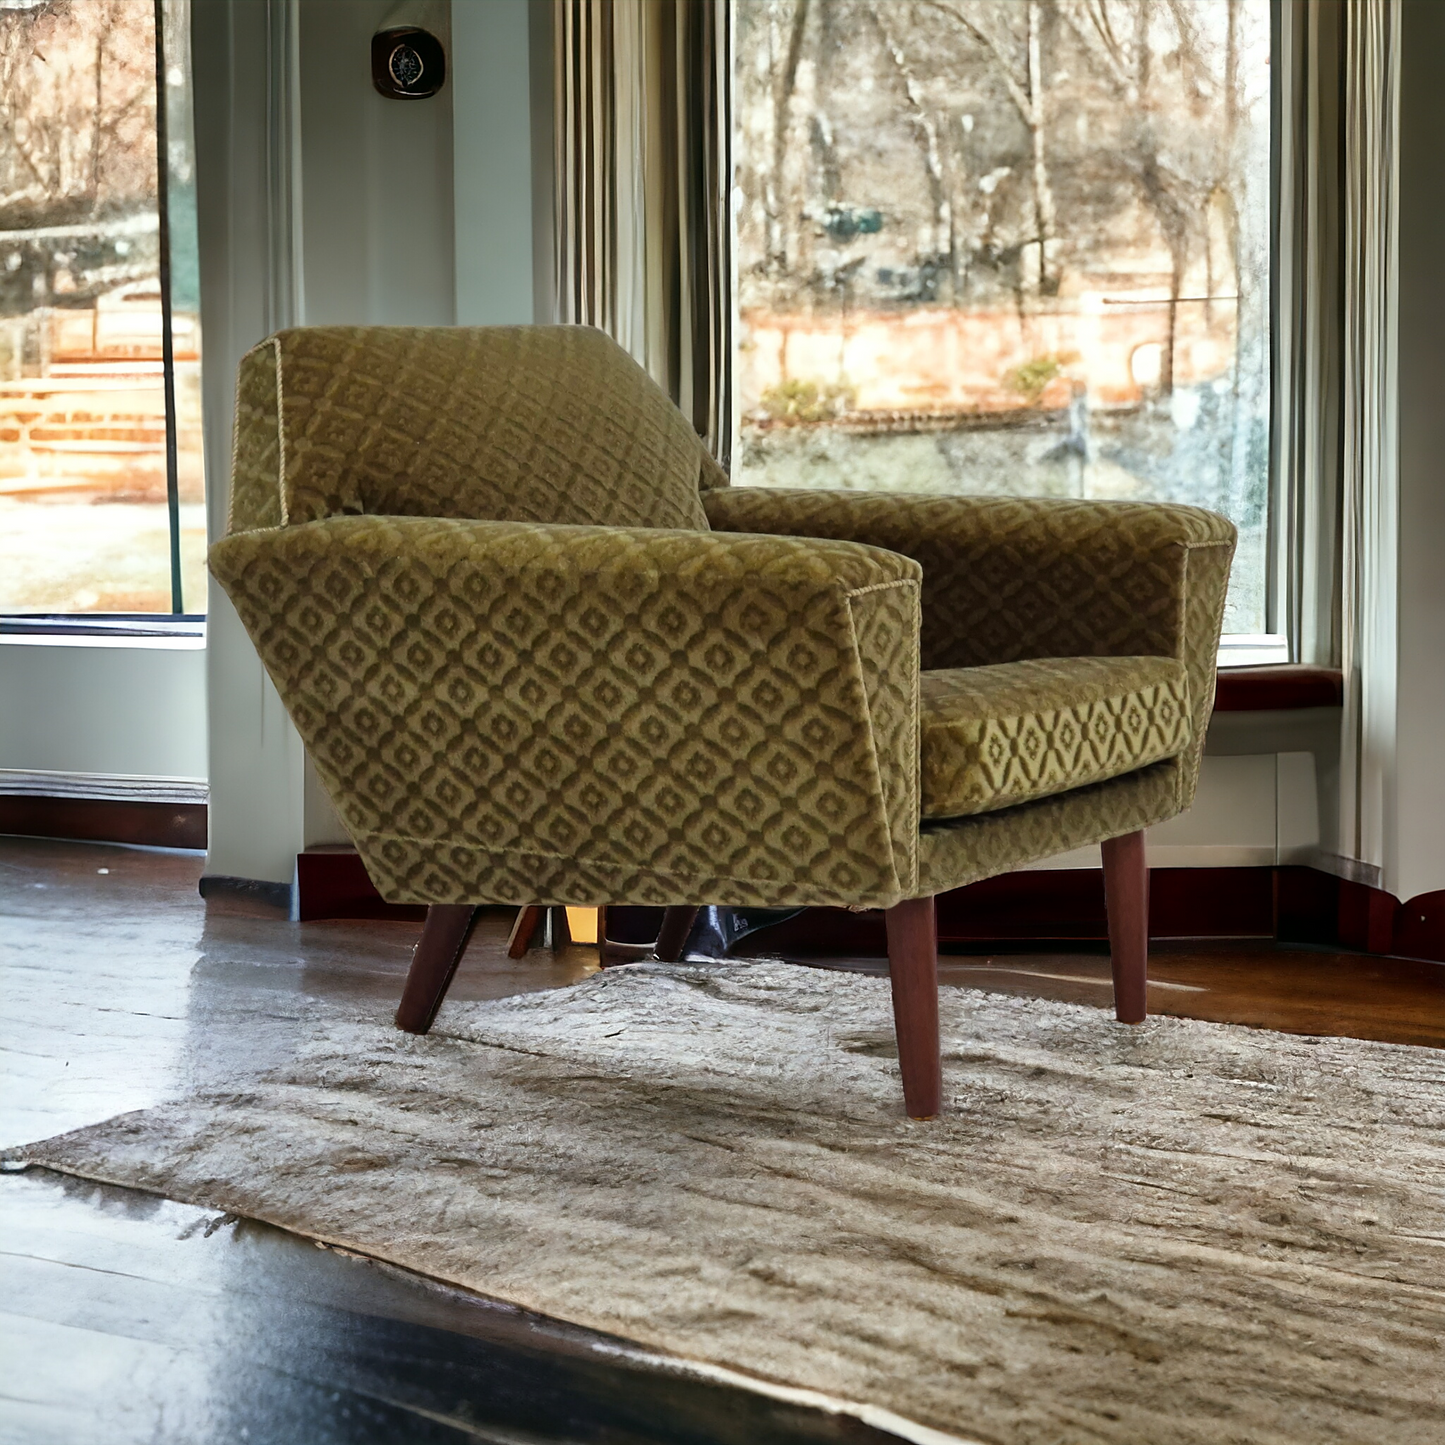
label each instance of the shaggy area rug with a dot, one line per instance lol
(1182, 1232)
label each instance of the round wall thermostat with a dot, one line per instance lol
(407, 63)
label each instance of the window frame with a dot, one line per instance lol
(145, 628)
(1280, 642)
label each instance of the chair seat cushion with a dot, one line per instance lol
(993, 737)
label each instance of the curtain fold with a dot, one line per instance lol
(1308, 325)
(643, 182)
(1369, 452)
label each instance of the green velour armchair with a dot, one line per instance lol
(542, 653)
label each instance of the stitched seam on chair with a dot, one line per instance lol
(236, 448)
(916, 791)
(878, 792)
(1219, 622)
(916, 760)
(880, 587)
(280, 439)
(575, 858)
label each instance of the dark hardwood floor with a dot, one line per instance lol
(125, 1318)
(1295, 988)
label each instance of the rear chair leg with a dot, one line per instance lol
(672, 936)
(913, 970)
(1126, 896)
(443, 940)
(524, 930)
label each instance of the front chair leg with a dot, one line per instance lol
(443, 940)
(1126, 896)
(913, 971)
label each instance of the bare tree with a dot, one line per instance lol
(925, 129)
(77, 111)
(1019, 58)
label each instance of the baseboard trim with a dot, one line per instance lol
(149, 823)
(1293, 904)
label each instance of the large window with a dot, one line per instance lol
(1009, 246)
(101, 487)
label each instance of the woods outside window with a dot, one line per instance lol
(101, 485)
(1009, 246)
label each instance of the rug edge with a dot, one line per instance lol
(877, 1416)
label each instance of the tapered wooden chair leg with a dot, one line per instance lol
(1126, 895)
(524, 930)
(604, 958)
(443, 941)
(913, 970)
(561, 929)
(672, 936)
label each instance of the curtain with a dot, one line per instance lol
(1308, 326)
(1369, 472)
(643, 183)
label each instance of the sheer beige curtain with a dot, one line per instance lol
(1308, 329)
(642, 191)
(1369, 454)
(1335, 379)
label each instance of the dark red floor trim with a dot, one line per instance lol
(333, 883)
(1294, 905)
(104, 820)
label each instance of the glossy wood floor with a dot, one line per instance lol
(125, 1318)
(1294, 988)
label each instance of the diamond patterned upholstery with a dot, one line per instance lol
(516, 423)
(996, 736)
(540, 652)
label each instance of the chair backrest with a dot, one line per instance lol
(505, 423)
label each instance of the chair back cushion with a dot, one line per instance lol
(504, 423)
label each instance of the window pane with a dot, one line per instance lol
(1009, 246)
(83, 515)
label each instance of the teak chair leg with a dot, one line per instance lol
(561, 929)
(913, 970)
(672, 936)
(524, 930)
(443, 941)
(1126, 896)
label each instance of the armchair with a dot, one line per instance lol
(541, 653)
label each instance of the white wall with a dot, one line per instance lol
(246, 125)
(376, 179)
(492, 188)
(96, 706)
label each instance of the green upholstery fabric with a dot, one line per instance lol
(996, 736)
(1011, 578)
(590, 715)
(1006, 579)
(477, 565)
(516, 423)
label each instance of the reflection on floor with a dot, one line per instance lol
(132, 1319)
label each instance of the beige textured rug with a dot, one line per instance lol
(1184, 1232)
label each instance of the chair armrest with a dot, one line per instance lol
(518, 712)
(1008, 578)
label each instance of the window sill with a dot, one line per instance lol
(1252, 649)
(186, 633)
